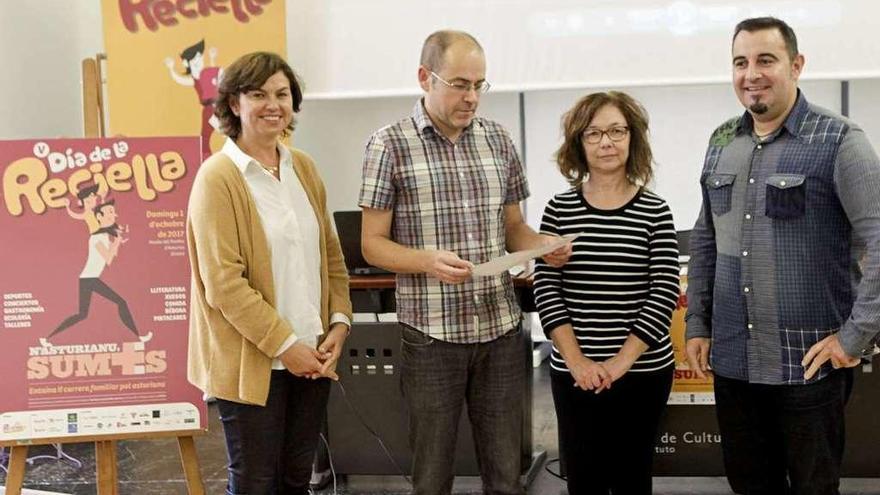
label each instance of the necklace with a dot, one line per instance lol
(271, 169)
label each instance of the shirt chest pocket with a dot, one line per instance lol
(720, 190)
(786, 196)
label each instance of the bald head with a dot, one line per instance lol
(438, 43)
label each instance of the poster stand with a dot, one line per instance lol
(105, 459)
(105, 445)
(93, 96)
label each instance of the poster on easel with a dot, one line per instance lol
(165, 60)
(95, 288)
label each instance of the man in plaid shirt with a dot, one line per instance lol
(778, 303)
(441, 192)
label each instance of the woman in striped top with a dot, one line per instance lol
(608, 310)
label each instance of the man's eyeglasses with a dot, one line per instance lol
(593, 136)
(480, 87)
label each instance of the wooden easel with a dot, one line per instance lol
(93, 96)
(105, 445)
(105, 459)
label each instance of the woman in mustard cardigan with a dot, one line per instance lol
(270, 304)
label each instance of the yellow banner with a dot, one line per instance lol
(687, 388)
(165, 59)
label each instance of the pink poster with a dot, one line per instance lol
(95, 287)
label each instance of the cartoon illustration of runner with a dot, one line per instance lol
(205, 81)
(88, 199)
(103, 248)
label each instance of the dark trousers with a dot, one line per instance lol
(87, 286)
(437, 379)
(782, 439)
(271, 447)
(606, 440)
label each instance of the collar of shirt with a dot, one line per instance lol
(423, 120)
(242, 160)
(792, 122)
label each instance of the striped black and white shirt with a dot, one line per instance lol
(622, 277)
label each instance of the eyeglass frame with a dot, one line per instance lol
(605, 132)
(480, 87)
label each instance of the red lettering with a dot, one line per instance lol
(217, 6)
(164, 11)
(249, 6)
(685, 375)
(240, 16)
(153, 13)
(129, 9)
(254, 7)
(204, 8)
(182, 7)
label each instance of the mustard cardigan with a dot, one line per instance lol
(234, 328)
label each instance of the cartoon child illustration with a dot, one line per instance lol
(88, 199)
(205, 81)
(103, 248)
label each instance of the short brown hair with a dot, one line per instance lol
(247, 73)
(763, 23)
(438, 42)
(572, 160)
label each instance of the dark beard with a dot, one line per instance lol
(758, 108)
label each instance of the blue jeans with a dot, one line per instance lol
(782, 439)
(271, 447)
(437, 379)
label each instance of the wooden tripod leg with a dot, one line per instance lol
(105, 467)
(15, 476)
(190, 460)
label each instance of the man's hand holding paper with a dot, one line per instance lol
(556, 251)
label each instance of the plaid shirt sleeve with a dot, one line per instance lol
(517, 187)
(857, 177)
(377, 186)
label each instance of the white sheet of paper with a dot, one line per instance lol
(503, 263)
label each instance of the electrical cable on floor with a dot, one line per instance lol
(547, 468)
(373, 433)
(330, 460)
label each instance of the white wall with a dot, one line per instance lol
(42, 43)
(556, 44)
(864, 108)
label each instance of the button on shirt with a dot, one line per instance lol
(448, 196)
(292, 233)
(775, 260)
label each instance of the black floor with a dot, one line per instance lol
(152, 467)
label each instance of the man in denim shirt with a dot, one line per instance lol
(784, 278)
